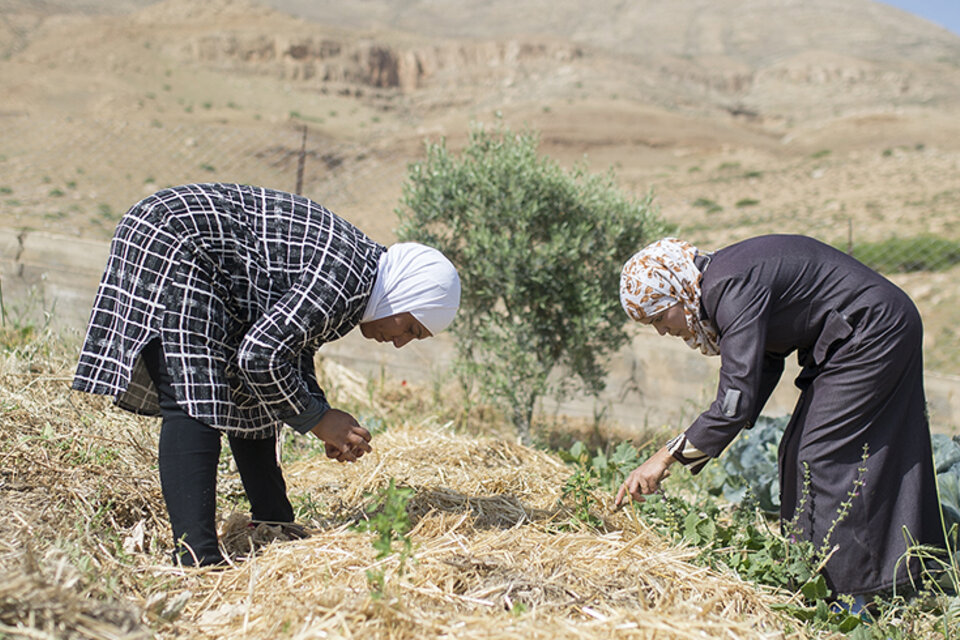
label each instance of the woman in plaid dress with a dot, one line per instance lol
(212, 305)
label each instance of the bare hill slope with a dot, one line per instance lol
(751, 30)
(832, 119)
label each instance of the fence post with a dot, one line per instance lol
(301, 161)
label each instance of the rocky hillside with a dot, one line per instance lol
(749, 31)
(719, 102)
(838, 120)
(776, 61)
(784, 58)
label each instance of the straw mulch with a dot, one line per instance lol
(494, 556)
(84, 543)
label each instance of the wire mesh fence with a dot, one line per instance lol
(76, 176)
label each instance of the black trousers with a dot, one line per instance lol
(188, 458)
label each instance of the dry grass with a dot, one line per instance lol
(84, 545)
(491, 558)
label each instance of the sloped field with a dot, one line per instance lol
(494, 550)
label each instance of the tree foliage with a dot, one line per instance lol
(539, 252)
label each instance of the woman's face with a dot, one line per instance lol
(398, 329)
(670, 320)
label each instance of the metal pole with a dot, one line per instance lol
(301, 161)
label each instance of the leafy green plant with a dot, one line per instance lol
(391, 522)
(594, 472)
(611, 469)
(749, 466)
(946, 455)
(306, 508)
(821, 614)
(748, 471)
(580, 487)
(539, 252)
(736, 537)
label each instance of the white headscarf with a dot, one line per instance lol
(417, 279)
(659, 276)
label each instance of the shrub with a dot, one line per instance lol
(539, 251)
(708, 204)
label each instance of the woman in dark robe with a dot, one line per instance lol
(860, 424)
(214, 300)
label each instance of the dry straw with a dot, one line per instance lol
(84, 549)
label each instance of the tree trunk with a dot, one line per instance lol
(522, 419)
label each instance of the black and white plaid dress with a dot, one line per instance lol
(242, 284)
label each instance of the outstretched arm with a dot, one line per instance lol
(646, 478)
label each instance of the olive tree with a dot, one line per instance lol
(539, 251)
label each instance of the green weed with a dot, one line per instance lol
(391, 522)
(105, 211)
(736, 538)
(708, 204)
(595, 472)
(305, 508)
(25, 325)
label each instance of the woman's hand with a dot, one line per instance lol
(342, 456)
(646, 478)
(343, 437)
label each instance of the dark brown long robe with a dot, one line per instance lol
(858, 339)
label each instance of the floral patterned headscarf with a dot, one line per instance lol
(661, 275)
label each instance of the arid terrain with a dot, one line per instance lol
(748, 117)
(839, 120)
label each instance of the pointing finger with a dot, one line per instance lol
(358, 443)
